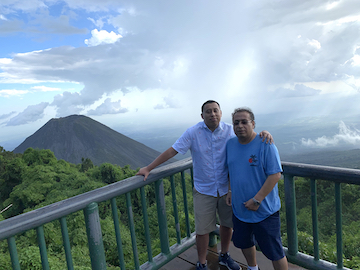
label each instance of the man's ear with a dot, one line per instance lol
(202, 116)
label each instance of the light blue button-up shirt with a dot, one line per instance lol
(208, 151)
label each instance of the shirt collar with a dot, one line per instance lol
(220, 126)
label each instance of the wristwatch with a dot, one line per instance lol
(256, 202)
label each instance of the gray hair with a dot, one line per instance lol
(244, 109)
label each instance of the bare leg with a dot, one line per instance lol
(250, 255)
(202, 242)
(225, 238)
(281, 264)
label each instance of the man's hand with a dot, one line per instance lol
(266, 136)
(250, 205)
(143, 171)
(228, 198)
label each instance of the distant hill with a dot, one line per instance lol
(75, 137)
(347, 159)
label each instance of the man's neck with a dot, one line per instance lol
(247, 139)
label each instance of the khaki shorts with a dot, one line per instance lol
(205, 207)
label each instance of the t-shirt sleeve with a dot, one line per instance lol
(272, 159)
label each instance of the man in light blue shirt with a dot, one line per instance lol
(207, 142)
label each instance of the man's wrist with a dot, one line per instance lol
(256, 202)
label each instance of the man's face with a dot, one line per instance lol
(211, 115)
(243, 125)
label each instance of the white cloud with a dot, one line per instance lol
(12, 92)
(345, 135)
(31, 114)
(108, 107)
(43, 88)
(102, 37)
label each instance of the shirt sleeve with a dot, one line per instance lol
(183, 144)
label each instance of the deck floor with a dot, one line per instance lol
(188, 259)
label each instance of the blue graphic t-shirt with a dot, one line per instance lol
(249, 166)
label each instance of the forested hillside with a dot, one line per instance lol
(36, 178)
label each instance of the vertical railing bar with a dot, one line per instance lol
(161, 212)
(186, 210)
(13, 253)
(291, 224)
(339, 243)
(94, 236)
(315, 219)
(132, 231)
(146, 224)
(192, 176)
(42, 247)
(66, 243)
(117, 233)
(176, 212)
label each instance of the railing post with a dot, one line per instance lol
(66, 242)
(291, 224)
(339, 243)
(161, 211)
(13, 253)
(315, 219)
(117, 233)
(42, 247)
(94, 234)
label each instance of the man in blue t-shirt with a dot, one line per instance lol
(254, 169)
(207, 142)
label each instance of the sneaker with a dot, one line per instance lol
(200, 266)
(226, 260)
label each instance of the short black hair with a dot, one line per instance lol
(207, 102)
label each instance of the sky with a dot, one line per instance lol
(145, 65)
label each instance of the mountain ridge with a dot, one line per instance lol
(75, 137)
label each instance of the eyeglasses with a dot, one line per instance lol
(243, 122)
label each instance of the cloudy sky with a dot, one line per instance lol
(150, 64)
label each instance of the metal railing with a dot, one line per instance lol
(88, 203)
(314, 173)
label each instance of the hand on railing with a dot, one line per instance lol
(143, 171)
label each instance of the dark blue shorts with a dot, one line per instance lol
(266, 233)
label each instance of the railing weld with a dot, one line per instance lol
(315, 219)
(94, 235)
(66, 243)
(132, 230)
(13, 253)
(117, 233)
(42, 247)
(146, 224)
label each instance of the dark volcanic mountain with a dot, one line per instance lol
(75, 137)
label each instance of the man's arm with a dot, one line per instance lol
(266, 136)
(163, 157)
(263, 192)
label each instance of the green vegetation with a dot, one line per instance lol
(326, 220)
(36, 178)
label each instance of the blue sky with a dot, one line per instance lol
(143, 65)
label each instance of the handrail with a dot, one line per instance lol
(38, 217)
(314, 172)
(58, 211)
